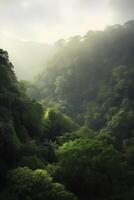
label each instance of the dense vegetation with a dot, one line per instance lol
(25, 149)
(44, 154)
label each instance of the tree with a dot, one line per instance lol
(25, 183)
(89, 168)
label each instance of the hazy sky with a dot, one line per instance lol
(50, 20)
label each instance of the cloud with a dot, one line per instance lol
(22, 18)
(49, 20)
(30, 10)
(122, 10)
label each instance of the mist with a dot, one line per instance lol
(29, 28)
(66, 99)
(28, 58)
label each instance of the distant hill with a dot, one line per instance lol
(81, 77)
(28, 57)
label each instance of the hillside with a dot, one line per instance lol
(71, 136)
(90, 73)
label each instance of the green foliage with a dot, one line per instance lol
(91, 152)
(25, 183)
(92, 163)
(21, 125)
(33, 162)
(58, 123)
(90, 77)
(121, 125)
(82, 132)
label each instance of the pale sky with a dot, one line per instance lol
(49, 20)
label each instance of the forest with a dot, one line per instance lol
(69, 133)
